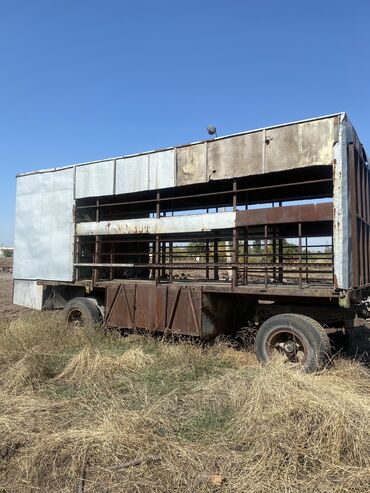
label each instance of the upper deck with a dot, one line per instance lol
(271, 149)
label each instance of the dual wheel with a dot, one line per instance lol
(299, 340)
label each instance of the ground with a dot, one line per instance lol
(93, 412)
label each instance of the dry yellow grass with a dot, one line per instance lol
(83, 405)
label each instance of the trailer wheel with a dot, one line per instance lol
(80, 312)
(301, 340)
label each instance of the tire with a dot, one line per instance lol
(301, 340)
(81, 312)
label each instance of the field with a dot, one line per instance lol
(86, 411)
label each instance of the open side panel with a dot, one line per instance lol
(265, 230)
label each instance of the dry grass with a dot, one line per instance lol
(83, 403)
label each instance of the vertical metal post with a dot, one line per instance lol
(281, 254)
(235, 257)
(300, 253)
(77, 256)
(274, 253)
(246, 256)
(171, 262)
(157, 244)
(164, 248)
(234, 279)
(97, 211)
(207, 259)
(97, 246)
(111, 272)
(96, 259)
(332, 259)
(215, 259)
(306, 250)
(235, 197)
(266, 254)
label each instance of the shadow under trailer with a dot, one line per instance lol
(267, 228)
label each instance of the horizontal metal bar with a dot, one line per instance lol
(207, 194)
(286, 214)
(104, 265)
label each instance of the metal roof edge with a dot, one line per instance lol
(222, 137)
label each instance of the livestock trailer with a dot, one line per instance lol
(268, 228)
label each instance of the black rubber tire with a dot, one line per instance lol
(308, 330)
(84, 308)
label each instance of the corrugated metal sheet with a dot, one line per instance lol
(44, 226)
(95, 180)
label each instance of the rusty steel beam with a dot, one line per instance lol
(285, 214)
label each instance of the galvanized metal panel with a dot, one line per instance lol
(176, 224)
(161, 170)
(28, 293)
(191, 164)
(304, 144)
(44, 226)
(237, 156)
(264, 151)
(341, 225)
(132, 174)
(95, 180)
(145, 172)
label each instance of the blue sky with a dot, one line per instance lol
(87, 79)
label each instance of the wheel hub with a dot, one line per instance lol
(75, 319)
(289, 345)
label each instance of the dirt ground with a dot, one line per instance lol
(7, 309)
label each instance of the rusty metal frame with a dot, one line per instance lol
(219, 255)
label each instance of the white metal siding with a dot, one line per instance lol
(162, 170)
(27, 293)
(146, 172)
(132, 174)
(95, 180)
(44, 226)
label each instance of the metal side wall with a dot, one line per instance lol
(349, 240)
(28, 293)
(44, 226)
(341, 233)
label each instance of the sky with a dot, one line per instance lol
(83, 80)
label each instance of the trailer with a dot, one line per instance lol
(268, 228)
